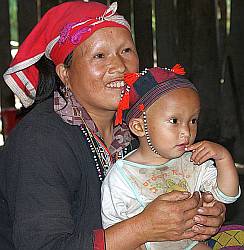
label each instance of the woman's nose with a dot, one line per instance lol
(117, 65)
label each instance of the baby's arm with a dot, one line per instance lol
(227, 176)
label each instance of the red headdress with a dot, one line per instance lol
(56, 35)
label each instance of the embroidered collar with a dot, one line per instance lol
(71, 113)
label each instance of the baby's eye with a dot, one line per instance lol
(194, 121)
(99, 56)
(173, 120)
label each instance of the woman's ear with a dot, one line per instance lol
(63, 74)
(136, 126)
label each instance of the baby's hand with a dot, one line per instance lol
(205, 150)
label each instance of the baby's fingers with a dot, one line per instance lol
(202, 156)
(194, 146)
(198, 153)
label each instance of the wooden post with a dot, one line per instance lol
(166, 33)
(184, 34)
(47, 4)
(236, 57)
(124, 9)
(229, 126)
(205, 68)
(222, 31)
(27, 17)
(143, 32)
(102, 1)
(7, 97)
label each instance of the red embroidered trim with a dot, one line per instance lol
(141, 107)
(99, 239)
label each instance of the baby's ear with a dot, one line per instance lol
(137, 127)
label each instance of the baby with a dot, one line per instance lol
(161, 107)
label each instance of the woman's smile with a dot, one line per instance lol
(116, 84)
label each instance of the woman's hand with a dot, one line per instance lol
(210, 217)
(173, 216)
(169, 217)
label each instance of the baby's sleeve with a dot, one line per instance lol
(209, 184)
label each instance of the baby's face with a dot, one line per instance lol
(172, 122)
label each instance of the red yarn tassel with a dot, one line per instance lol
(130, 78)
(123, 105)
(118, 118)
(178, 69)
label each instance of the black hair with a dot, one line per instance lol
(48, 78)
(48, 82)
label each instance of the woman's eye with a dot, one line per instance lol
(194, 121)
(99, 56)
(173, 120)
(127, 50)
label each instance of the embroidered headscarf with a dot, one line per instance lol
(143, 89)
(56, 35)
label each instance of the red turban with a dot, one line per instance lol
(56, 35)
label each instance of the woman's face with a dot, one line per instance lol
(98, 66)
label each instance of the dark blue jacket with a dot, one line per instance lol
(50, 182)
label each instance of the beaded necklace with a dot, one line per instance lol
(74, 114)
(101, 155)
(100, 152)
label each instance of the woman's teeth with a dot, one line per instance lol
(116, 84)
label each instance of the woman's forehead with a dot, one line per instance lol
(109, 36)
(102, 34)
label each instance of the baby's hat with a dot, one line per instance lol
(143, 89)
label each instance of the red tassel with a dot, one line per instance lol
(178, 69)
(123, 105)
(130, 78)
(118, 118)
(124, 102)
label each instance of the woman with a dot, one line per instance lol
(58, 155)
